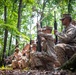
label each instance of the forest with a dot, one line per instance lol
(19, 18)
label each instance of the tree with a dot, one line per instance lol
(19, 21)
(5, 34)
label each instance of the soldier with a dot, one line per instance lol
(48, 45)
(18, 61)
(67, 40)
(33, 47)
(46, 58)
(15, 60)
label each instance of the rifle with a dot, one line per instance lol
(38, 41)
(55, 27)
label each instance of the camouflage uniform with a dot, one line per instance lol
(48, 47)
(19, 60)
(67, 43)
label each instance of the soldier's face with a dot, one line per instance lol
(17, 51)
(47, 31)
(34, 48)
(64, 21)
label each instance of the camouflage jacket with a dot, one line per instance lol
(68, 35)
(49, 44)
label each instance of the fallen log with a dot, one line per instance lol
(70, 64)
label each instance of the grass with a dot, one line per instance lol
(6, 68)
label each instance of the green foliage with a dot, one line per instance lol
(14, 29)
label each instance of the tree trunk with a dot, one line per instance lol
(44, 4)
(10, 45)
(38, 37)
(5, 36)
(19, 22)
(69, 6)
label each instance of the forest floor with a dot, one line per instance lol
(34, 72)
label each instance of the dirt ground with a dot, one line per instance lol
(34, 72)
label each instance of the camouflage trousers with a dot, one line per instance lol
(41, 62)
(64, 52)
(34, 60)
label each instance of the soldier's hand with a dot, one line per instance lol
(37, 24)
(41, 34)
(39, 30)
(55, 32)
